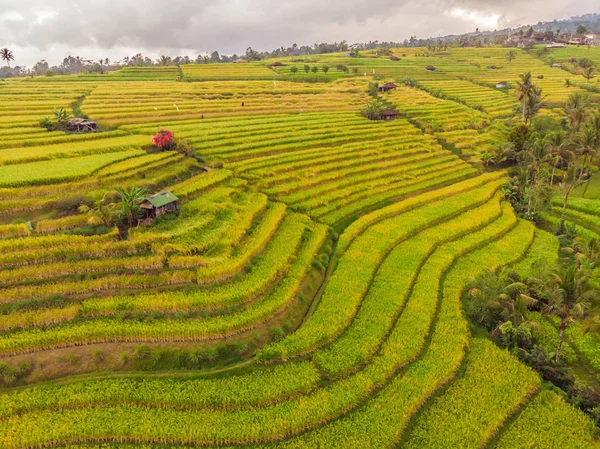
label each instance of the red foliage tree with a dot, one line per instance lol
(164, 139)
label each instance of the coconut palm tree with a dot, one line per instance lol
(569, 183)
(588, 74)
(559, 151)
(7, 55)
(567, 294)
(511, 55)
(499, 298)
(534, 102)
(164, 60)
(576, 109)
(587, 252)
(586, 141)
(524, 86)
(536, 155)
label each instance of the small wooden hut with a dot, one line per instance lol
(389, 114)
(277, 64)
(81, 125)
(387, 87)
(394, 58)
(430, 68)
(159, 204)
(502, 85)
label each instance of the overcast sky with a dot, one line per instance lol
(51, 30)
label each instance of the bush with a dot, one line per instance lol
(276, 333)
(519, 135)
(70, 205)
(164, 139)
(141, 352)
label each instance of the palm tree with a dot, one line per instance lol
(568, 296)
(101, 212)
(511, 55)
(373, 109)
(535, 102)
(559, 153)
(536, 155)
(524, 87)
(587, 252)
(588, 74)
(569, 183)
(499, 296)
(7, 55)
(130, 203)
(586, 148)
(576, 109)
(164, 60)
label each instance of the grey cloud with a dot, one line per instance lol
(233, 25)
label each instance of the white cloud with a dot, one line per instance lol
(11, 16)
(36, 29)
(479, 19)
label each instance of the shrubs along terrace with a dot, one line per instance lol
(325, 252)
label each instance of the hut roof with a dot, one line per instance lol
(394, 58)
(430, 67)
(277, 64)
(389, 112)
(389, 86)
(161, 199)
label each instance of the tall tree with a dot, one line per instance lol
(586, 141)
(7, 55)
(588, 74)
(576, 109)
(559, 151)
(524, 86)
(511, 55)
(570, 181)
(568, 295)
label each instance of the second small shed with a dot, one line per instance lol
(389, 114)
(159, 204)
(387, 87)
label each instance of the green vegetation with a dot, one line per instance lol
(326, 280)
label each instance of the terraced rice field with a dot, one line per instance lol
(147, 102)
(308, 292)
(236, 71)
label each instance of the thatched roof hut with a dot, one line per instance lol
(81, 125)
(389, 114)
(387, 87)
